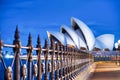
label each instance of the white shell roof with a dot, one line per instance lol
(81, 36)
(105, 41)
(74, 37)
(63, 38)
(87, 33)
(81, 40)
(82, 43)
(68, 40)
(59, 36)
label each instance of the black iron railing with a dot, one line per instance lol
(55, 61)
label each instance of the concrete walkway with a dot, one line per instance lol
(106, 71)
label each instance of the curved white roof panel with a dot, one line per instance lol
(59, 36)
(81, 36)
(68, 40)
(63, 38)
(74, 37)
(105, 41)
(82, 43)
(81, 40)
(85, 31)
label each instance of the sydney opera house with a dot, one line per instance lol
(82, 37)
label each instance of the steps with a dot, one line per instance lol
(106, 71)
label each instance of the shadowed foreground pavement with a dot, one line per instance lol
(106, 71)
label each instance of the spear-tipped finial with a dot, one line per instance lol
(46, 42)
(52, 42)
(38, 40)
(29, 39)
(16, 36)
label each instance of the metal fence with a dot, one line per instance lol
(53, 62)
(113, 56)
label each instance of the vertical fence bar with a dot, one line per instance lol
(1, 58)
(29, 52)
(64, 62)
(72, 58)
(57, 63)
(46, 59)
(61, 64)
(16, 50)
(67, 53)
(52, 59)
(73, 63)
(39, 52)
(79, 62)
(68, 62)
(76, 62)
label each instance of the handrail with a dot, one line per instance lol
(62, 62)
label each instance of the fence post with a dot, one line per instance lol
(67, 57)
(2, 60)
(64, 62)
(52, 59)
(72, 60)
(68, 49)
(75, 61)
(39, 52)
(1, 43)
(1, 46)
(61, 60)
(16, 50)
(57, 63)
(71, 63)
(29, 52)
(46, 59)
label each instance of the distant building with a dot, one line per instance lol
(81, 37)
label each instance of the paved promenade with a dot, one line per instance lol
(106, 71)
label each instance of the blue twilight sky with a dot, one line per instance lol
(38, 16)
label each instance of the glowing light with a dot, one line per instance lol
(116, 45)
(119, 42)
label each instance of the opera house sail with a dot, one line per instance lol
(81, 37)
(85, 33)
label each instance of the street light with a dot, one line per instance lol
(118, 42)
(116, 47)
(118, 51)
